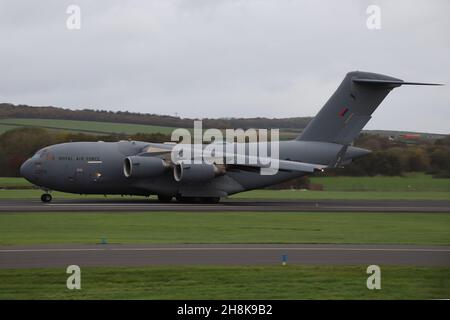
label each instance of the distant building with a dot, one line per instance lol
(410, 138)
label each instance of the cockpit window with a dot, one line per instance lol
(40, 153)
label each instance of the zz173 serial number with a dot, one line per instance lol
(250, 309)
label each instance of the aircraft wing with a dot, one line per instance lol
(241, 161)
(155, 149)
(300, 166)
(283, 165)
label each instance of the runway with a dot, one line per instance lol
(221, 254)
(126, 205)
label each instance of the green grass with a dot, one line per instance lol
(220, 282)
(99, 127)
(25, 194)
(224, 227)
(257, 195)
(412, 187)
(6, 127)
(410, 182)
(14, 182)
(340, 195)
(84, 126)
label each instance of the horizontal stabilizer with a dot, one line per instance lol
(393, 82)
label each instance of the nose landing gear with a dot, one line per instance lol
(46, 197)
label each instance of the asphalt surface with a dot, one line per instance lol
(226, 254)
(110, 205)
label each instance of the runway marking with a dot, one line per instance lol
(227, 249)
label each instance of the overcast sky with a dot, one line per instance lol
(225, 58)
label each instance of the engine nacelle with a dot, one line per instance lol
(143, 167)
(195, 172)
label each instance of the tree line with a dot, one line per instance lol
(388, 157)
(393, 157)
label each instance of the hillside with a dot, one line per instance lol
(102, 122)
(95, 127)
(28, 112)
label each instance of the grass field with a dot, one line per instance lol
(98, 127)
(225, 282)
(410, 182)
(224, 227)
(14, 182)
(236, 282)
(26, 194)
(340, 195)
(6, 127)
(218, 282)
(257, 195)
(83, 126)
(411, 187)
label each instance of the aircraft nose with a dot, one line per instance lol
(26, 169)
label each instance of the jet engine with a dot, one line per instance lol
(195, 172)
(143, 167)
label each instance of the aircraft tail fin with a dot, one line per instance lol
(349, 109)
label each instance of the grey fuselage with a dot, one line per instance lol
(97, 168)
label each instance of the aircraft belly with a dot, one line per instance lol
(252, 180)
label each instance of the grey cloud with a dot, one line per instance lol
(225, 58)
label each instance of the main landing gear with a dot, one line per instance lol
(46, 197)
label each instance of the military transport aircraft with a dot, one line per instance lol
(144, 168)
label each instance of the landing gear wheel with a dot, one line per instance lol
(46, 197)
(165, 199)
